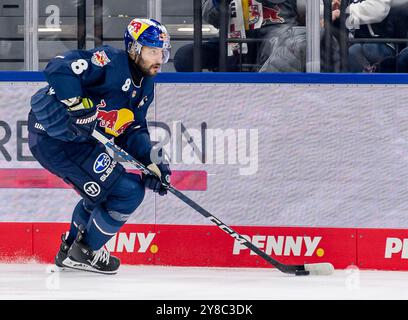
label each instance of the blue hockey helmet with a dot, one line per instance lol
(149, 33)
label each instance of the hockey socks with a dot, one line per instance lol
(101, 227)
(80, 216)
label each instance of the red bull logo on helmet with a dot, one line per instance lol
(115, 122)
(136, 25)
(163, 37)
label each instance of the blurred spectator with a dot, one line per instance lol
(369, 19)
(399, 16)
(403, 61)
(277, 21)
(285, 49)
(396, 27)
(183, 58)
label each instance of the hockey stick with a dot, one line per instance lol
(303, 269)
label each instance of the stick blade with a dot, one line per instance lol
(320, 269)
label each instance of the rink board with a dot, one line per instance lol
(261, 152)
(207, 246)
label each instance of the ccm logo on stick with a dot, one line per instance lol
(228, 230)
(396, 245)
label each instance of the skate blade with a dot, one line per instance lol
(66, 265)
(77, 266)
(54, 268)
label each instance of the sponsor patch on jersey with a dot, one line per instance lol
(101, 163)
(115, 122)
(143, 101)
(100, 58)
(92, 189)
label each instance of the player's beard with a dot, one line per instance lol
(146, 69)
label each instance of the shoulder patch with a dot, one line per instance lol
(100, 58)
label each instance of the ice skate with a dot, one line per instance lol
(84, 258)
(61, 259)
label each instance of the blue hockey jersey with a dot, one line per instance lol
(103, 75)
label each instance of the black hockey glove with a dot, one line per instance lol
(154, 182)
(83, 119)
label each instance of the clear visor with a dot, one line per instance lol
(153, 53)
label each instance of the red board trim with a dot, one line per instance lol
(40, 178)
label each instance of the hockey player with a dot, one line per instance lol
(109, 90)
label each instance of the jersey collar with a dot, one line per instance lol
(137, 75)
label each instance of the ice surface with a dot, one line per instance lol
(36, 281)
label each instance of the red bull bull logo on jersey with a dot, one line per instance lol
(115, 122)
(100, 58)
